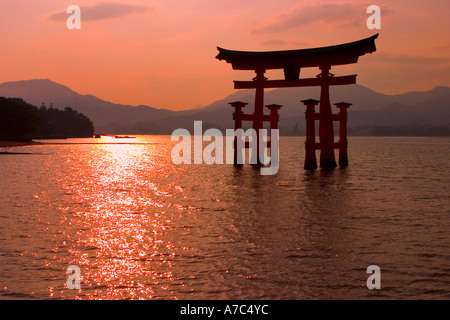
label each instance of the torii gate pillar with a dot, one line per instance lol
(238, 117)
(343, 142)
(326, 131)
(310, 143)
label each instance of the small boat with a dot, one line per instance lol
(125, 137)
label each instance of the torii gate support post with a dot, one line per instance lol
(274, 117)
(237, 117)
(258, 114)
(326, 130)
(310, 143)
(343, 142)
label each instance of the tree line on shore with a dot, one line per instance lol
(20, 120)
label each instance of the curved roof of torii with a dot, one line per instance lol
(314, 57)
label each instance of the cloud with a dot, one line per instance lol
(410, 60)
(444, 48)
(340, 14)
(103, 11)
(273, 42)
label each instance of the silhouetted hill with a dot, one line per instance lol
(370, 109)
(20, 120)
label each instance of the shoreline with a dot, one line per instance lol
(11, 144)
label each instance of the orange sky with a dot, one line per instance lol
(161, 53)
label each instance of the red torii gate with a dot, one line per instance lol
(291, 61)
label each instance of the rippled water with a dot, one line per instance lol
(140, 227)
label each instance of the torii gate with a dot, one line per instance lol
(291, 61)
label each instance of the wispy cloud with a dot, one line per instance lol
(273, 42)
(410, 60)
(103, 11)
(339, 14)
(443, 48)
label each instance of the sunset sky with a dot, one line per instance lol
(161, 53)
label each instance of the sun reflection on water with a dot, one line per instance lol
(121, 245)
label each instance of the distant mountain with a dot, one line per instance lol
(102, 113)
(369, 110)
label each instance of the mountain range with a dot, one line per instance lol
(371, 113)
